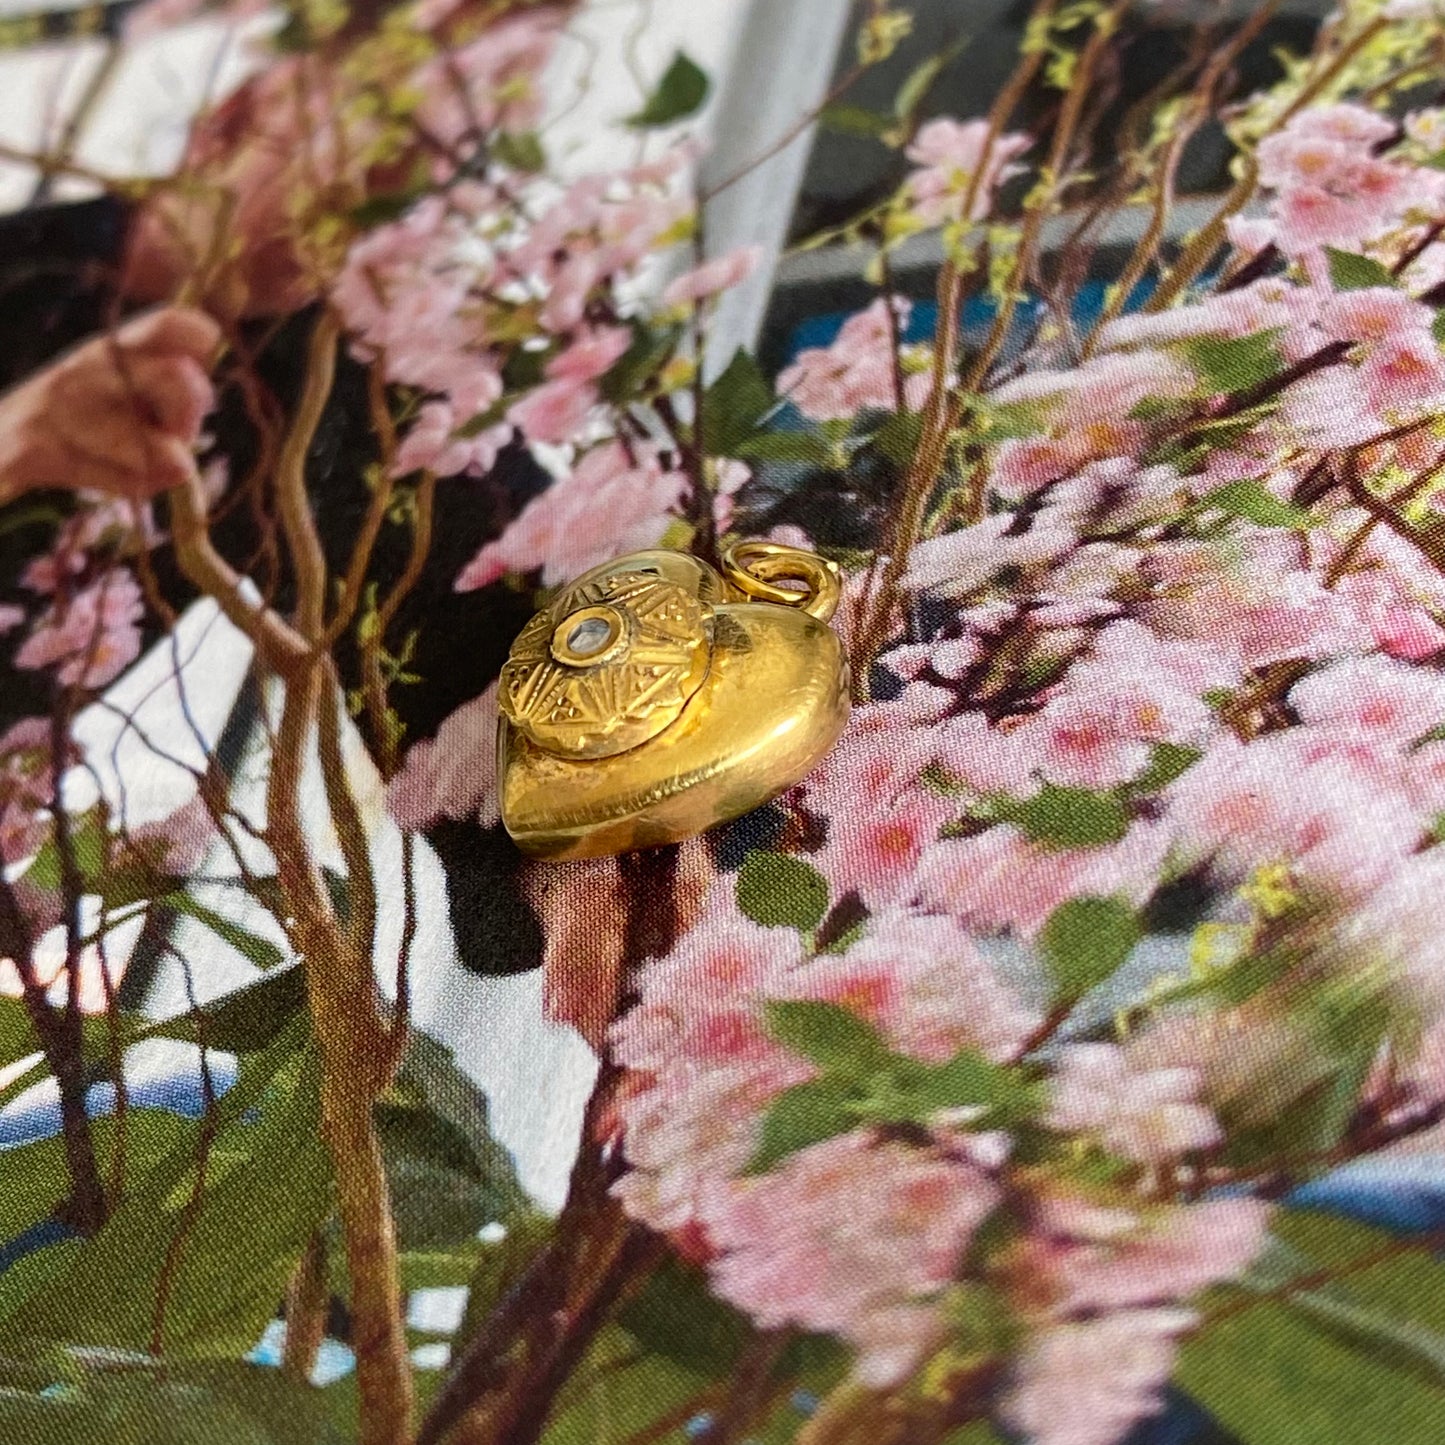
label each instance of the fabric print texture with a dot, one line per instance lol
(1062, 1062)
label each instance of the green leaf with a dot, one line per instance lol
(17, 1037)
(1086, 940)
(802, 1115)
(734, 406)
(1250, 499)
(261, 951)
(248, 1019)
(449, 1176)
(681, 92)
(500, 1264)
(898, 437)
(135, 883)
(803, 447)
(1234, 363)
(1349, 272)
(34, 1178)
(969, 1081)
(978, 1432)
(1406, 1284)
(919, 81)
(1430, 735)
(379, 210)
(125, 1401)
(88, 846)
(855, 120)
(780, 891)
(1059, 817)
(1011, 421)
(630, 374)
(1278, 1374)
(522, 150)
(267, 1188)
(620, 1394)
(1437, 328)
(675, 1315)
(831, 1036)
(1167, 761)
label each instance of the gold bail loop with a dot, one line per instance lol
(754, 569)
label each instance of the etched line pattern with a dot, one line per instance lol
(574, 709)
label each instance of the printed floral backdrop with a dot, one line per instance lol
(1063, 1062)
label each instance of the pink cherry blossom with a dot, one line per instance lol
(1281, 800)
(960, 562)
(555, 412)
(1099, 729)
(1372, 698)
(1087, 1383)
(590, 354)
(1151, 1117)
(1165, 1255)
(922, 982)
(1333, 188)
(876, 852)
(1374, 315)
(1252, 309)
(1253, 593)
(702, 1004)
(490, 83)
(871, 1272)
(91, 637)
(434, 444)
(27, 787)
(989, 758)
(711, 277)
(857, 371)
(1001, 880)
(609, 504)
(1401, 376)
(960, 164)
(689, 1132)
(454, 774)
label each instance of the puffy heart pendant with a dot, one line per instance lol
(656, 697)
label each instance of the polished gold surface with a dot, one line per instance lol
(754, 571)
(655, 698)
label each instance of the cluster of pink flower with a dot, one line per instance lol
(1195, 638)
(88, 636)
(858, 371)
(1333, 187)
(89, 631)
(960, 165)
(885, 1271)
(467, 290)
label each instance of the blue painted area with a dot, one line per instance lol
(977, 316)
(805, 1402)
(1183, 1421)
(1401, 1193)
(160, 1074)
(38, 1236)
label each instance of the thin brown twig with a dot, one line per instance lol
(361, 553)
(298, 524)
(1203, 101)
(1198, 252)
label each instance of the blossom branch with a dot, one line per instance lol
(1201, 249)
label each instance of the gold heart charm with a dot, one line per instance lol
(656, 697)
